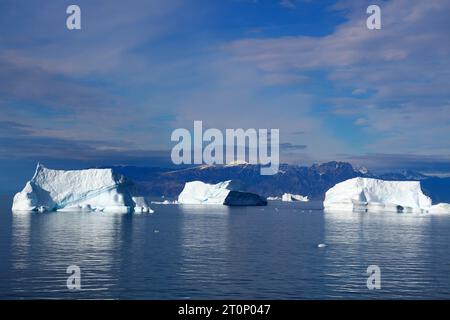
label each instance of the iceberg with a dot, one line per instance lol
(293, 197)
(78, 190)
(223, 193)
(440, 208)
(165, 202)
(366, 194)
(141, 205)
(289, 198)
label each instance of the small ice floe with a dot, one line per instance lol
(293, 197)
(439, 208)
(165, 202)
(276, 209)
(322, 245)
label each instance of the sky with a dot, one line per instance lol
(113, 92)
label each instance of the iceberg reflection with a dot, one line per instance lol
(397, 243)
(204, 247)
(44, 245)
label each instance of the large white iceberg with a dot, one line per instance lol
(365, 194)
(74, 190)
(223, 193)
(293, 197)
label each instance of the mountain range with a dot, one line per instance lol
(311, 181)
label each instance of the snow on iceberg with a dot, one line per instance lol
(223, 193)
(366, 194)
(75, 190)
(293, 197)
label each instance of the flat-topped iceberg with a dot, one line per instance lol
(293, 197)
(75, 190)
(223, 193)
(366, 194)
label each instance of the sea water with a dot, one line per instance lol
(217, 252)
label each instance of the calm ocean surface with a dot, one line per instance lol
(232, 253)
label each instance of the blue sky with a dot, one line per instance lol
(113, 92)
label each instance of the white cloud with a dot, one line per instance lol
(403, 68)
